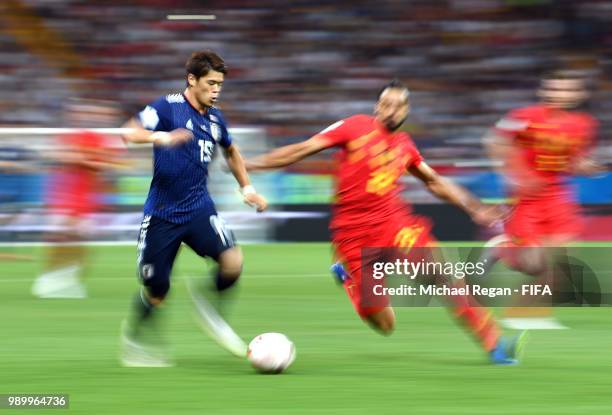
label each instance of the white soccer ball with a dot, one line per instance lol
(271, 352)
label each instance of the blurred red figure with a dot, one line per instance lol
(369, 211)
(75, 188)
(539, 147)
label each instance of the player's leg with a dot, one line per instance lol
(65, 259)
(523, 252)
(382, 321)
(374, 311)
(158, 245)
(229, 268)
(413, 234)
(484, 328)
(538, 230)
(520, 249)
(556, 229)
(209, 236)
(68, 218)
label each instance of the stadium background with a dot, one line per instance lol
(295, 67)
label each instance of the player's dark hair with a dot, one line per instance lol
(395, 84)
(200, 63)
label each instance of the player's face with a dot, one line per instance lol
(563, 93)
(207, 88)
(392, 108)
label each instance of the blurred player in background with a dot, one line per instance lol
(539, 146)
(185, 130)
(369, 211)
(74, 193)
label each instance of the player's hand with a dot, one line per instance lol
(256, 200)
(172, 138)
(489, 215)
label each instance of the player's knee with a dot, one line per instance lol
(532, 261)
(383, 322)
(386, 328)
(155, 280)
(230, 264)
(388, 324)
(157, 292)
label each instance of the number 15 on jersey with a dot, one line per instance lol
(206, 150)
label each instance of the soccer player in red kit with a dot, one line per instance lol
(369, 212)
(539, 147)
(74, 192)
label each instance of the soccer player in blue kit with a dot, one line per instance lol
(185, 130)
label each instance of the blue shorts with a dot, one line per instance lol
(159, 241)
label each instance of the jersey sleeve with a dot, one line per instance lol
(513, 123)
(226, 139)
(415, 155)
(157, 116)
(339, 133)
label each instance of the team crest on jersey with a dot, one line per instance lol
(215, 132)
(189, 125)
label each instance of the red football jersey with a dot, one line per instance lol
(75, 188)
(549, 141)
(371, 161)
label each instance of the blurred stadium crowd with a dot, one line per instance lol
(296, 67)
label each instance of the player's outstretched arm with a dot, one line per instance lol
(140, 135)
(236, 164)
(455, 194)
(586, 166)
(286, 155)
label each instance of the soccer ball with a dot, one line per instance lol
(271, 352)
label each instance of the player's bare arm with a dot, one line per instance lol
(498, 149)
(450, 192)
(587, 166)
(140, 135)
(286, 155)
(504, 153)
(236, 164)
(511, 164)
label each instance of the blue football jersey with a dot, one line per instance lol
(178, 188)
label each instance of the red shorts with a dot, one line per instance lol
(533, 222)
(402, 232)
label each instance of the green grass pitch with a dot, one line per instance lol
(429, 365)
